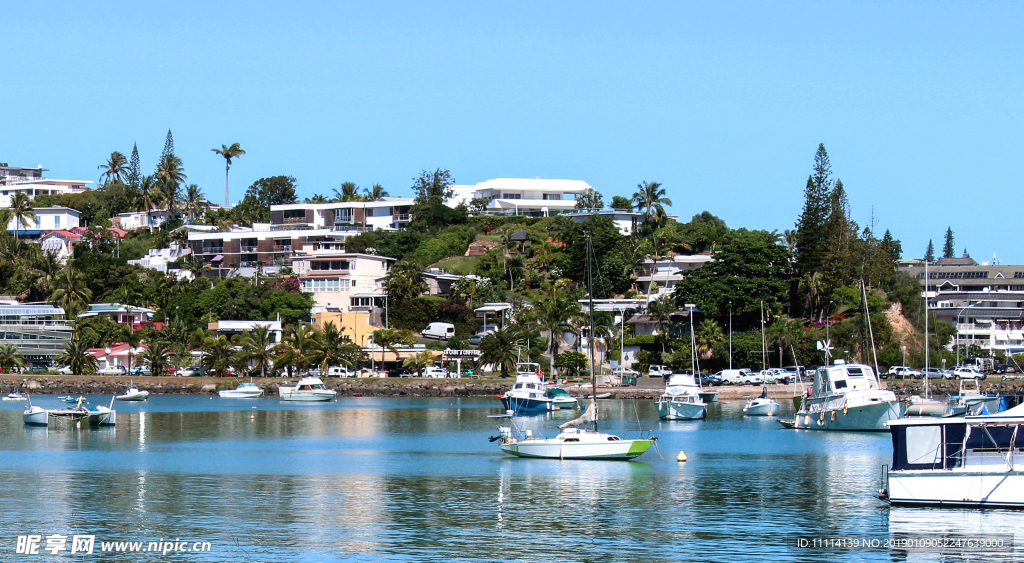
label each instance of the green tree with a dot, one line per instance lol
(708, 337)
(429, 211)
(21, 212)
(70, 292)
(554, 313)
(589, 199)
(785, 332)
(419, 361)
(621, 203)
(218, 354)
(810, 229)
(947, 247)
(194, 201)
(168, 146)
(11, 358)
(134, 175)
(659, 311)
(234, 151)
(349, 192)
(157, 356)
(390, 338)
(275, 190)
(76, 356)
(114, 170)
(170, 175)
(572, 362)
(651, 197)
(501, 348)
(258, 347)
(929, 253)
(133, 338)
(376, 193)
(150, 195)
(403, 282)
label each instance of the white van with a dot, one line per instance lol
(440, 331)
(340, 371)
(742, 376)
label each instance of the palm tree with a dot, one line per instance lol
(76, 356)
(318, 198)
(149, 194)
(170, 175)
(349, 192)
(258, 346)
(194, 201)
(389, 337)
(376, 193)
(650, 196)
(419, 361)
(660, 311)
(303, 347)
(115, 170)
(234, 151)
(708, 336)
(70, 292)
(131, 337)
(10, 358)
(45, 269)
(21, 212)
(217, 354)
(553, 313)
(158, 356)
(501, 348)
(330, 343)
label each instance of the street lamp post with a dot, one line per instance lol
(730, 335)
(693, 343)
(957, 341)
(904, 355)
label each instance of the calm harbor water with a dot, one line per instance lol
(388, 479)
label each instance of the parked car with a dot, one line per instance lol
(904, 372)
(399, 372)
(968, 372)
(140, 370)
(476, 338)
(215, 373)
(440, 331)
(66, 370)
(191, 371)
(172, 370)
(113, 370)
(775, 375)
(936, 373)
(795, 371)
(340, 371)
(435, 372)
(742, 376)
(658, 371)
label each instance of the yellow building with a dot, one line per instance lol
(355, 326)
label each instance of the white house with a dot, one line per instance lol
(163, 260)
(47, 219)
(534, 197)
(231, 328)
(139, 219)
(30, 181)
(659, 276)
(348, 282)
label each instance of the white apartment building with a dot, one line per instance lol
(349, 283)
(298, 229)
(47, 219)
(140, 219)
(659, 277)
(533, 197)
(14, 179)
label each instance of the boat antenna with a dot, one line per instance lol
(590, 292)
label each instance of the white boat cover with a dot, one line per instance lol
(589, 415)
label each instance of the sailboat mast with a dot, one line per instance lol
(590, 293)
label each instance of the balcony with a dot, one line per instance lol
(403, 217)
(249, 249)
(213, 250)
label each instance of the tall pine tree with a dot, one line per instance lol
(134, 169)
(810, 229)
(947, 247)
(168, 146)
(929, 255)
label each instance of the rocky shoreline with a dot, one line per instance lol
(403, 387)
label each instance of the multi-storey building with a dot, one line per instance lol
(984, 302)
(297, 229)
(31, 182)
(659, 277)
(46, 219)
(349, 283)
(39, 331)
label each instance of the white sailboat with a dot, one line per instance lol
(762, 405)
(132, 394)
(579, 438)
(926, 406)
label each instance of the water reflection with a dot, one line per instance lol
(408, 480)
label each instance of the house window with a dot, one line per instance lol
(362, 302)
(343, 216)
(332, 265)
(295, 216)
(56, 222)
(511, 196)
(552, 196)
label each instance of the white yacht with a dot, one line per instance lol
(762, 405)
(133, 394)
(847, 397)
(309, 389)
(527, 393)
(681, 400)
(957, 461)
(246, 390)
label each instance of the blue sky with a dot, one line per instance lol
(918, 103)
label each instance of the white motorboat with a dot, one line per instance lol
(847, 397)
(14, 396)
(762, 405)
(527, 393)
(309, 389)
(681, 400)
(561, 399)
(100, 415)
(957, 461)
(246, 390)
(132, 394)
(971, 401)
(573, 442)
(35, 416)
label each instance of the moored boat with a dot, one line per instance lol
(309, 389)
(560, 398)
(681, 400)
(956, 461)
(847, 397)
(762, 405)
(247, 390)
(527, 393)
(132, 394)
(14, 396)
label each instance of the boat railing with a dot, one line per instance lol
(640, 434)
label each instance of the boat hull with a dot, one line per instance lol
(956, 489)
(235, 394)
(708, 396)
(673, 410)
(526, 404)
(565, 404)
(103, 417)
(866, 418)
(555, 449)
(36, 416)
(308, 397)
(927, 407)
(761, 408)
(140, 396)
